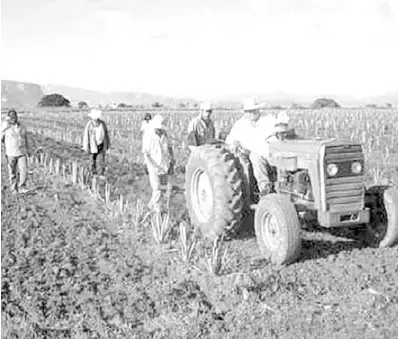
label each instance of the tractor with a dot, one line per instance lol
(317, 179)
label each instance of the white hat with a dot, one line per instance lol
(205, 106)
(251, 104)
(95, 114)
(282, 122)
(282, 118)
(157, 122)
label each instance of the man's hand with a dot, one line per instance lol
(237, 148)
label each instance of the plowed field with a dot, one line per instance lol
(71, 269)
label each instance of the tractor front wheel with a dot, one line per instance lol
(277, 228)
(382, 229)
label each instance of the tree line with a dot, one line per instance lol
(58, 100)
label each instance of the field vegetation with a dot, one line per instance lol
(89, 261)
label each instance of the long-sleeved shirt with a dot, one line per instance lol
(94, 136)
(157, 149)
(200, 132)
(15, 139)
(251, 135)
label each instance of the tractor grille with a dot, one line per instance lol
(344, 191)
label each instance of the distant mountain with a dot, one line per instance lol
(27, 95)
(287, 99)
(15, 94)
(131, 98)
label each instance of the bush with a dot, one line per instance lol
(54, 100)
(82, 105)
(325, 102)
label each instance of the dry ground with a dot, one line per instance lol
(70, 270)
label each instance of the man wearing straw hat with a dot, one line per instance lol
(159, 159)
(14, 138)
(201, 128)
(96, 140)
(247, 136)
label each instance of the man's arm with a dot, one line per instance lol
(146, 149)
(86, 141)
(192, 135)
(4, 127)
(233, 136)
(28, 150)
(212, 130)
(107, 139)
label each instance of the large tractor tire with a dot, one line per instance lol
(213, 189)
(382, 230)
(277, 228)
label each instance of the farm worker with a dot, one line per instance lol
(246, 135)
(159, 159)
(146, 123)
(14, 138)
(201, 128)
(96, 140)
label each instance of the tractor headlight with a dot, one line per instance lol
(356, 167)
(332, 169)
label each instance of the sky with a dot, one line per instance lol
(204, 48)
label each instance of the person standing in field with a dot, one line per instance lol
(247, 136)
(159, 159)
(14, 138)
(96, 140)
(146, 123)
(201, 128)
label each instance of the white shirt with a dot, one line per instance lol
(251, 135)
(157, 148)
(145, 125)
(99, 134)
(15, 140)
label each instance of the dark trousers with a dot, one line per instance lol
(101, 156)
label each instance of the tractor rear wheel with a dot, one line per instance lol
(382, 229)
(277, 228)
(214, 191)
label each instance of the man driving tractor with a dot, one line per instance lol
(247, 136)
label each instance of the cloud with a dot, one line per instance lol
(385, 11)
(159, 36)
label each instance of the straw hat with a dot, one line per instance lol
(282, 122)
(95, 114)
(206, 106)
(157, 122)
(252, 104)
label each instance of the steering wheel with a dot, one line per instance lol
(270, 136)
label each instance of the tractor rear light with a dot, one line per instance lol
(356, 167)
(332, 169)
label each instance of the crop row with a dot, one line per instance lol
(376, 130)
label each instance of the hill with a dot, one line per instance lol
(75, 94)
(20, 95)
(24, 95)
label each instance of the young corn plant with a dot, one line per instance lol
(216, 260)
(187, 246)
(160, 227)
(139, 215)
(378, 174)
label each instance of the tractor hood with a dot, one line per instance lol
(300, 151)
(291, 147)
